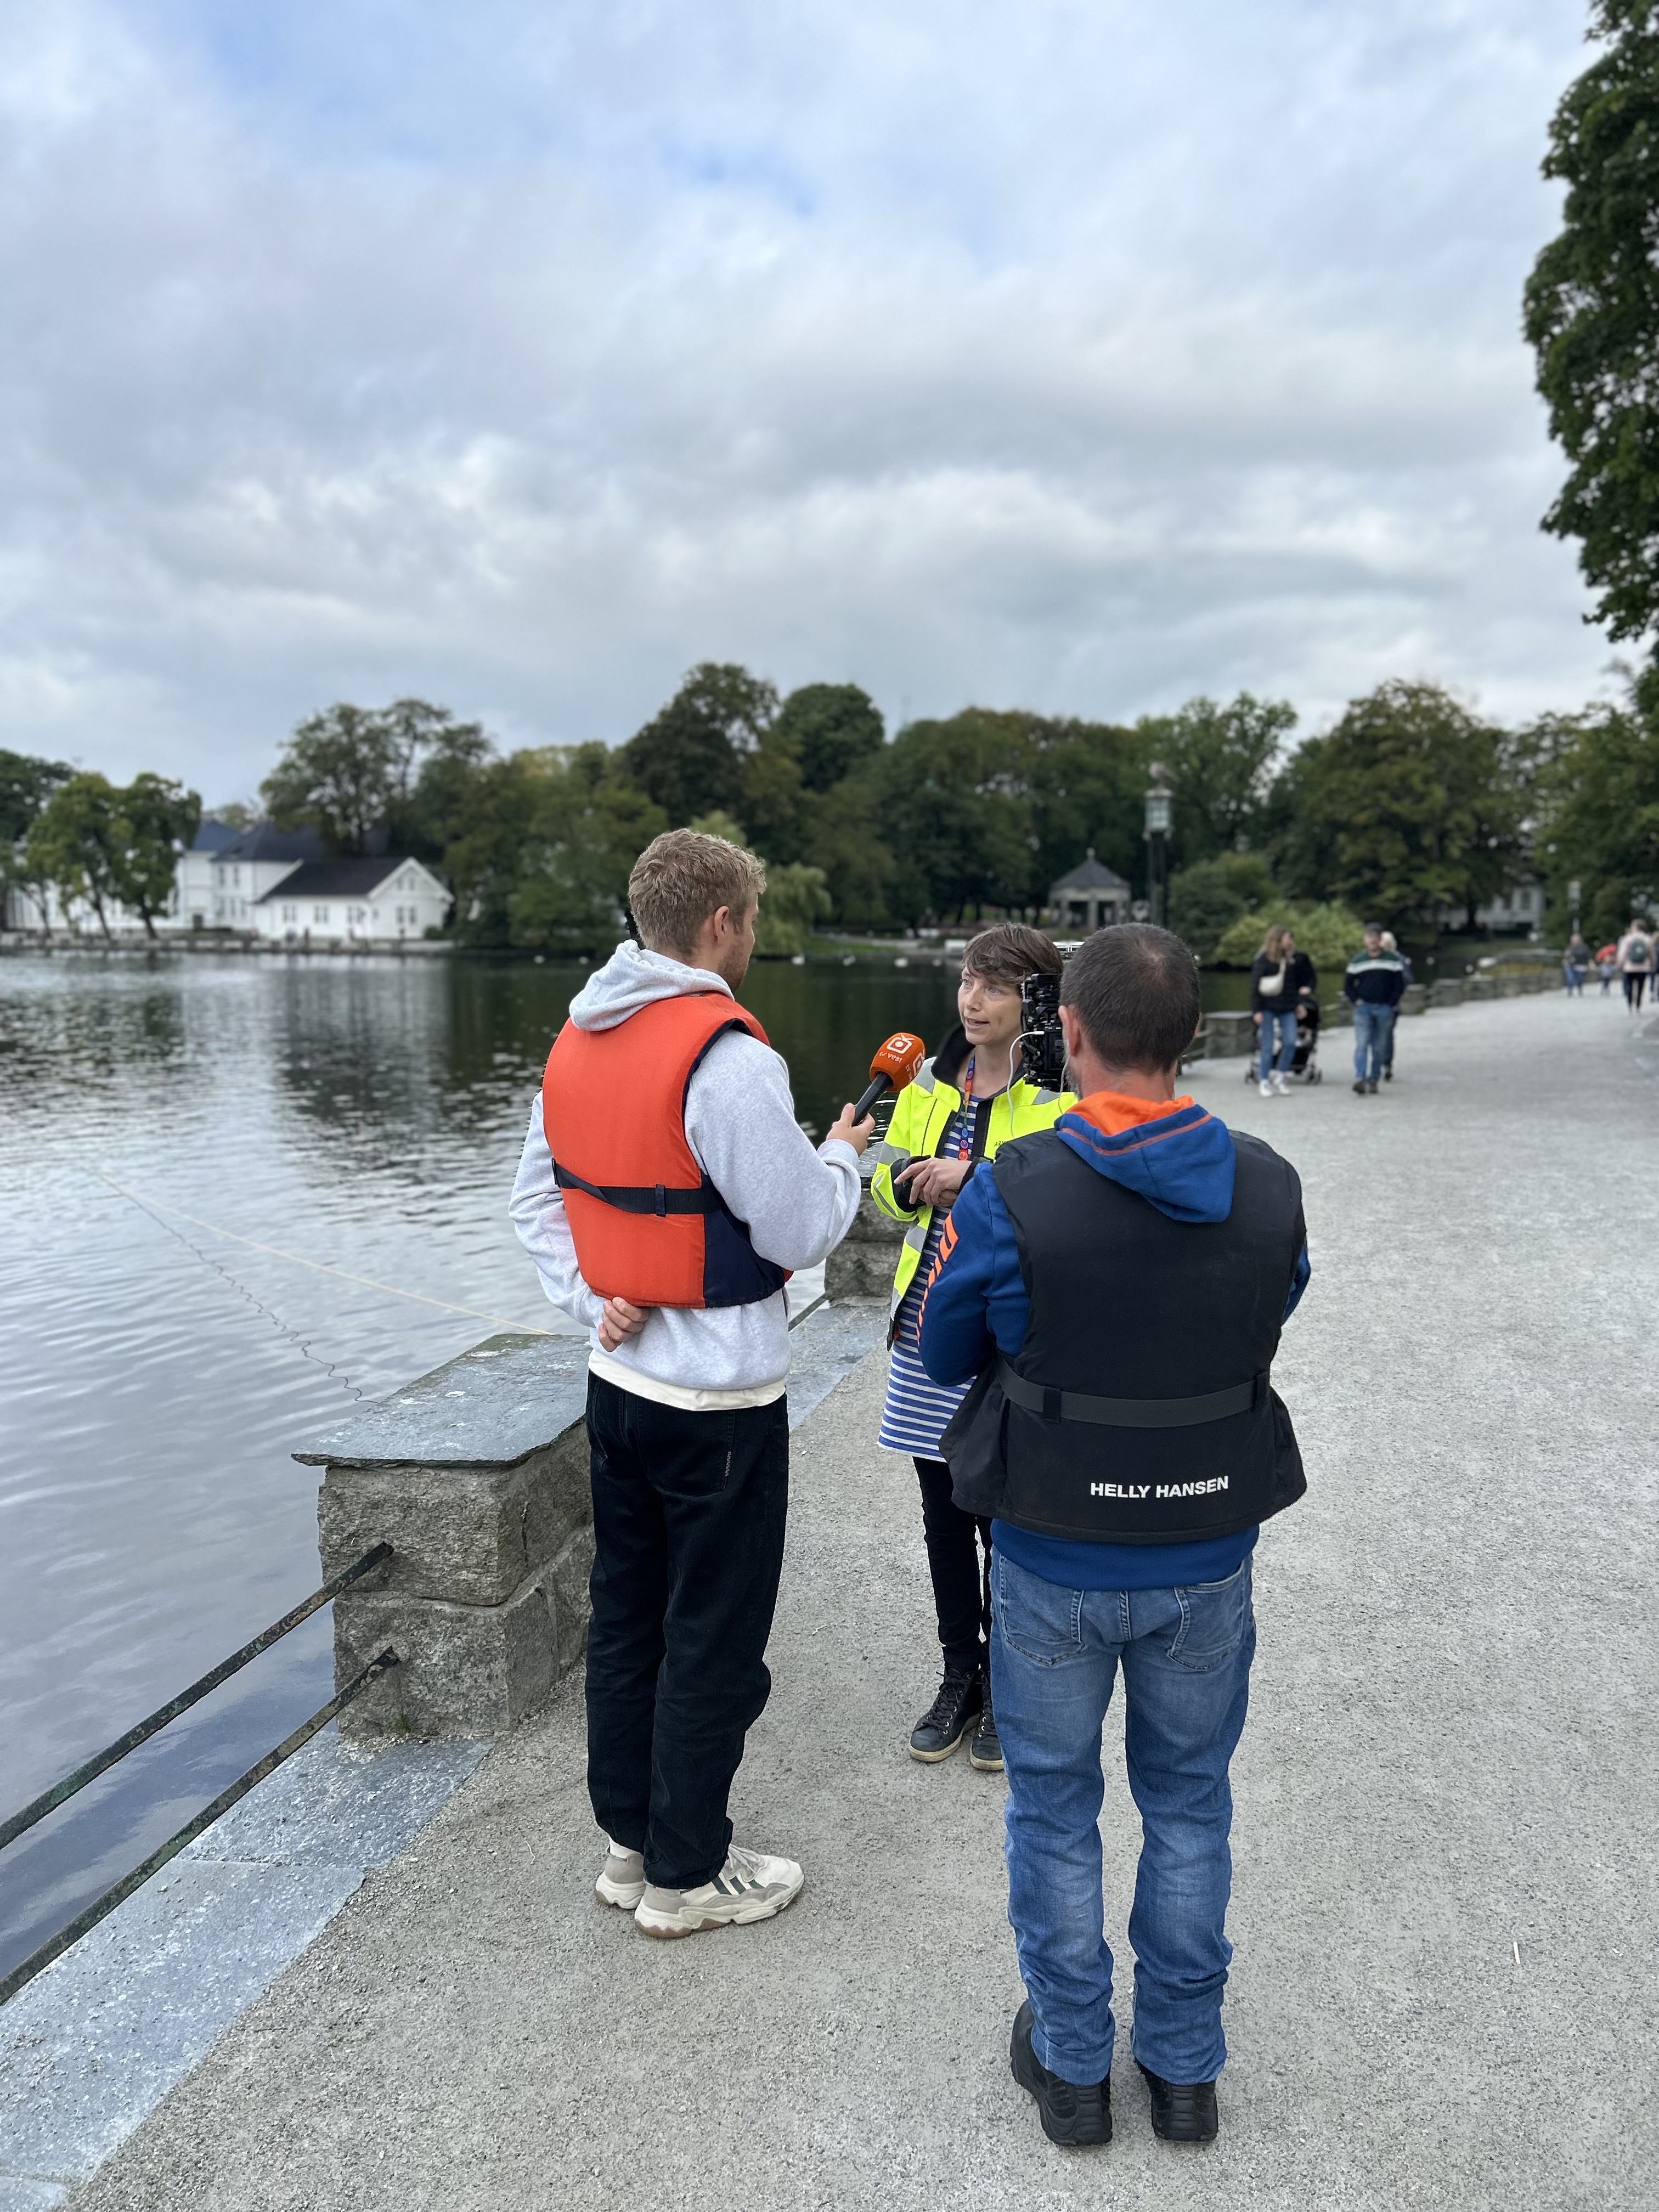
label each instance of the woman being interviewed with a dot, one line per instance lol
(967, 1101)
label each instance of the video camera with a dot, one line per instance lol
(1041, 1040)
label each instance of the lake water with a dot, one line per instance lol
(363, 1115)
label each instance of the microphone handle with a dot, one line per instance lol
(882, 1083)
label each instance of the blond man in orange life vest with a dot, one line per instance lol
(664, 1193)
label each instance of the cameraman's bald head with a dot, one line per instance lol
(1129, 1003)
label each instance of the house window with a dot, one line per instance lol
(319, 914)
(357, 913)
(290, 914)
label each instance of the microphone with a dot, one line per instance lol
(897, 1062)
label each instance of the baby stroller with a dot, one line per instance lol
(1306, 1062)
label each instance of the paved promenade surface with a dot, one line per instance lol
(1445, 1991)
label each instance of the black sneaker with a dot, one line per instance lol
(1071, 2116)
(1182, 2111)
(1371, 1086)
(985, 1752)
(1360, 1087)
(945, 1723)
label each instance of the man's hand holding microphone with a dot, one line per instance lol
(894, 1066)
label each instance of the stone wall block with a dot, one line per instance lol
(467, 1670)
(1447, 993)
(1415, 1000)
(467, 1534)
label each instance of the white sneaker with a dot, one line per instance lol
(748, 1886)
(1279, 1083)
(622, 1878)
(1265, 1088)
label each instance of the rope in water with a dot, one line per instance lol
(298, 1259)
(101, 1762)
(84, 1923)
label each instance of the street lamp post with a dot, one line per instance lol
(1157, 842)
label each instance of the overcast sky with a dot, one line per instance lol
(1076, 356)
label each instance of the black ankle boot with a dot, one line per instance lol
(945, 1723)
(1182, 2111)
(1071, 2116)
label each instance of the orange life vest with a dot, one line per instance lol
(648, 1224)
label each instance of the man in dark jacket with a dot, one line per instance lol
(1117, 1285)
(1374, 984)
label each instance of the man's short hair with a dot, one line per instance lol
(682, 878)
(1135, 989)
(1008, 952)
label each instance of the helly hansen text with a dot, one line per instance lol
(1159, 1489)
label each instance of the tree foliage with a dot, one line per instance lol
(1410, 805)
(1208, 897)
(689, 757)
(77, 844)
(25, 785)
(1329, 933)
(1592, 316)
(349, 773)
(159, 818)
(1220, 760)
(1600, 815)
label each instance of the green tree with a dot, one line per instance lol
(1086, 781)
(1592, 316)
(795, 900)
(1601, 814)
(25, 785)
(77, 844)
(844, 840)
(956, 810)
(1208, 897)
(836, 731)
(350, 771)
(158, 819)
(1220, 760)
(587, 824)
(688, 758)
(1407, 806)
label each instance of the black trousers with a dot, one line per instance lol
(962, 1584)
(689, 1512)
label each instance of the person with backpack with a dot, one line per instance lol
(1282, 982)
(1635, 964)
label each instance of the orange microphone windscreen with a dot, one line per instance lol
(900, 1059)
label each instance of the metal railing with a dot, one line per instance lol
(101, 1762)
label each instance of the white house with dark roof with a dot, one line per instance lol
(385, 902)
(225, 872)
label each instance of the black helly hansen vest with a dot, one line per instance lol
(1139, 1409)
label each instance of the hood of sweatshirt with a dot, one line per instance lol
(1171, 1152)
(632, 978)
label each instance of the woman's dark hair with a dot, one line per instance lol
(1134, 989)
(1008, 952)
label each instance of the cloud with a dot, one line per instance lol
(1082, 358)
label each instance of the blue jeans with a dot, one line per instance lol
(1284, 1023)
(1373, 1029)
(1186, 1657)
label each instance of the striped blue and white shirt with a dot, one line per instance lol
(916, 1408)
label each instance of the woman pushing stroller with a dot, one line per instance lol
(1282, 984)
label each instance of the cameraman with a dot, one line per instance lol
(1118, 1284)
(966, 1102)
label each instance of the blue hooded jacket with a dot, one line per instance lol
(1183, 1163)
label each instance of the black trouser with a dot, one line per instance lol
(962, 1586)
(1636, 982)
(689, 1513)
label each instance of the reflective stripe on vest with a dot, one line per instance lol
(647, 1224)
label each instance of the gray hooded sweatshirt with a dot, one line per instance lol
(740, 1123)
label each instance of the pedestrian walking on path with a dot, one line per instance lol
(966, 1103)
(1374, 984)
(1282, 982)
(1574, 962)
(1635, 959)
(1118, 1284)
(666, 1187)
